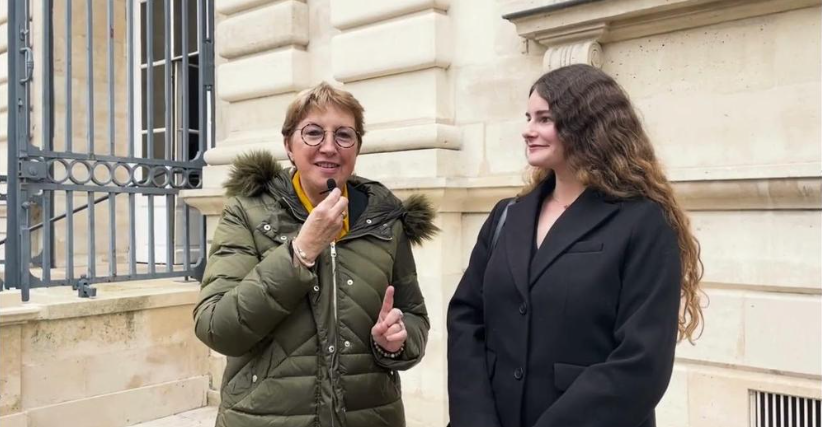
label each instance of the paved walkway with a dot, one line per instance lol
(203, 417)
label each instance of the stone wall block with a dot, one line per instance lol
(406, 44)
(280, 71)
(285, 23)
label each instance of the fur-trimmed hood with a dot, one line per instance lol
(257, 173)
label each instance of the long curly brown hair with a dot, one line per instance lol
(609, 151)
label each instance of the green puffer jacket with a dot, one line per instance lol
(298, 340)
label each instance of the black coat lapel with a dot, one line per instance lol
(519, 238)
(582, 216)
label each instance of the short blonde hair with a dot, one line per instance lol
(319, 98)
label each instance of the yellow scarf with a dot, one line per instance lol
(309, 207)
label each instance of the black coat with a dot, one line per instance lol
(580, 335)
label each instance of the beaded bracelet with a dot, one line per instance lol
(382, 352)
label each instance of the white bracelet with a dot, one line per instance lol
(301, 255)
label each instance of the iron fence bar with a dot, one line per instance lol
(48, 132)
(170, 209)
(169, 134)
(47, 240)
(130, 74)
(69, 136)
(209, 53)
(186, 237)
(186, 132)
(149, 92)
(132, 236)
(14, 95)
(70, 234)
(48, 106)
(112, 235)
(184, 72)
(201, 98)
(90, 63)
(151, 266)
(169, 40)
(110, 36)
(25, 245)
(92, 268)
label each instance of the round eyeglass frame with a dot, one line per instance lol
(302, 135)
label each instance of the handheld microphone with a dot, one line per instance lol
(331, 185)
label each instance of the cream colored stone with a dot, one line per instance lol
(494, 92)
(417, 163)
(504, 147)
(125, 408)
(751, 330)
(766, 249)
(351, 13)
(229, 7)
(4, 11)
(419, 97)
(411, 43)
(784, 322)
(4, 67)
(4, 99)
(631, 19)
(259, 115)
(271, 73)
(11, 352)
(411, 138)
(100, 355)
(4, 38)
(672, 411)
(16, 420)
(711, 98)
(286, 23)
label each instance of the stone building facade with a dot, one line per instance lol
(730, 92)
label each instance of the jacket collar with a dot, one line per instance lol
(257, 173)
(582, 216)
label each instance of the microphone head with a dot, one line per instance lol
(331, 184)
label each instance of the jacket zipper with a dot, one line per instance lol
(336, 349)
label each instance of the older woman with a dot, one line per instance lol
(311, 291)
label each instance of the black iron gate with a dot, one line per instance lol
(68, 173)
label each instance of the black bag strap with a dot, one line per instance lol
(498, 228)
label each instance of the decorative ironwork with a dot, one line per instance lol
(169, 110)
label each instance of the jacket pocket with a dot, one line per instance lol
(490, 363)
(585, 246)
(565, 374)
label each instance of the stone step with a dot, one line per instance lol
(202, 417)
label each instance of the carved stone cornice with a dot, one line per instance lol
(572, 30)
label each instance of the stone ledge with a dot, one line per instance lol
(481, 193)
(347, 14)
(572, 30)
(410, 43)
(62, 302)
(556, 21)
(287, 24)
(231, 7)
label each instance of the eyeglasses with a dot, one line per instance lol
(314, 135)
